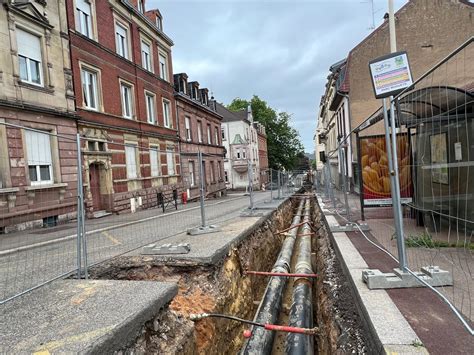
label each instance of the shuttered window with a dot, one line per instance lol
(131, 161)
(83, 18)
(154, 162)
(29, 56)
(40, 163)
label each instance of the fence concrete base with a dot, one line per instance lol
(154, 249)
(204, 230)
(375, 279)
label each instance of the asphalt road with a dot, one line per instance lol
(29, 267)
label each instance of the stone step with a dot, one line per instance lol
(100, 214)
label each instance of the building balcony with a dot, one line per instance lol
(241, 166)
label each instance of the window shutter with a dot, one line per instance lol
(154, 162)
(83, 6)
(38, 148)
(29, 45)
(131, 161)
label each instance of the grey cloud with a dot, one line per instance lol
(280, 50)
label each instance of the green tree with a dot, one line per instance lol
(283, 141)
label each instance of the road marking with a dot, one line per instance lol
(87, 336)
(73, 236)
(111, 238)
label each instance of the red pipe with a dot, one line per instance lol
(285, 328)
(263, 273)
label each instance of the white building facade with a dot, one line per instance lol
(239, 137)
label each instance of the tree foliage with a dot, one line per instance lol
(283, 141)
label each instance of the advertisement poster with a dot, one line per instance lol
(390, 74)
(439, 157)
(376, 174)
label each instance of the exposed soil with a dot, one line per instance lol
(223, 288)
(342, 330)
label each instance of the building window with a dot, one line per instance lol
(226, 176)
(187, 124)
(238, 153)
(163, 66)
(40, 163)
(150, 108)
(170, 160)
(223, 133)
(141, 7)
(191, 173)
(89, 89)
(83, 17)
(121, 40)
(219, 176)
(154, 162)
(127, 103)
(213, 175)
(131, 161)
(209, 134)
(29, 55)
(244, 154)
(146, 56)
(216, 136)
(159, 23)
(200, 131)
(167, 113)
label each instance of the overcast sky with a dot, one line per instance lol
(280, 50)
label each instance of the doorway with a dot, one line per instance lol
(94, 181)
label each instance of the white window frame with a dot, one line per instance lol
(244, 154)
(238, 153)
(163, 60)
(167, 122)
(84, 18)
(155, 162)
(147, 55)
(141, 6)
(187, 127)
(170, 161)
(33, 141)
(200, 131)
(121, 41)
(90, 88)
(191, 173)
(126, 94)
(216, 135)
(30, 56)
(219, 176)
(150, 103)
(223, 133)
(209, 136)
(159, 23)
(131, 167)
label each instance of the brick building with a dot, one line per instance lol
(427, 30)
(199, 130)
(262, 153)
(121, 60)
(38, 170)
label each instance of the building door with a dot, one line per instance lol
(94, 180)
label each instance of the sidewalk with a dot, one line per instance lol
(30, 237)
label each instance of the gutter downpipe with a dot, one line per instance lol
(261, 341)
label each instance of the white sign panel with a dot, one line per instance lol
(390, 74)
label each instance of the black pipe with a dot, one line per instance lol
(301, 312)
(261, 341)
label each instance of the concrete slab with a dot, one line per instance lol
(79, 316)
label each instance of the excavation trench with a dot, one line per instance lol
(224, 288)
